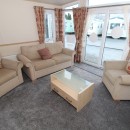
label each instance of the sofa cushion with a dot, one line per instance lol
(113, 74)
(31, 51)
(6, 75)
(44, 53)
(54, 48)
(128, 68)
(61, 58)
(42, 64)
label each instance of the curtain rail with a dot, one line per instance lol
(103, 6)
(54, 9)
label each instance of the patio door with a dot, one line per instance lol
(106, 36)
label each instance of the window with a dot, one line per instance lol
(49, 26)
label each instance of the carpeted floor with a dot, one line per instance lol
(35, 107)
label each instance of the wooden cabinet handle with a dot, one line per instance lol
(68, 100)
(56, 90)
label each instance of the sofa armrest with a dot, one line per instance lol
(25, 60)
(68, 52)
(11, 64)
(115, 65)
(125, 80)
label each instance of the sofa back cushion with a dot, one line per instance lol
(54, 48)
(128, 68)
(31, 52)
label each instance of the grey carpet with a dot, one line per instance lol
(91, 69)
(35, 107)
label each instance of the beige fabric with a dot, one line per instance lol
(25, 60)
(37, 67)
(10, 75)
(116, 79)
(52, 69)
(6, 74)
(11, 64)
(61, 58)
(114, 74)
(125, 80)
(115, 65)
(42, 64)
(31, 51)
(68, 51)
(54, 48)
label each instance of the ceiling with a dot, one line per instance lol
(55, 2)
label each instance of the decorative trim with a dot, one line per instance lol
(10, 44)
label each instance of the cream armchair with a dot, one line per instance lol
(116, 79)
(10, 75)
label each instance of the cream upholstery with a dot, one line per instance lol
(61, 58)
(31, 51)
(55, 48)
(116, 79)
(6, 74)
(42, 64)
(114, 74)
(10, 75)
(35, 67)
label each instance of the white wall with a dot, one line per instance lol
(83, 3)
(17, 21)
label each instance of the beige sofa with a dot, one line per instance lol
(116, 79)
(10, 75)
(35, 67)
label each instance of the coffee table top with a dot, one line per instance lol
(72, 80)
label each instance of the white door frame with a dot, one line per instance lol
(109, 10)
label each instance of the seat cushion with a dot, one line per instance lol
(54, 48)
(44, 53)
(42, 64)
(31, 52)
(112, 75)
(61, 58)
(6, 75)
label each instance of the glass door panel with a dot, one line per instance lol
(115, 38)
(94, 38)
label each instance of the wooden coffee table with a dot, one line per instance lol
(77, 91)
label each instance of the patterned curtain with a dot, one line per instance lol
(80, 15)
(59, 24)
(39, 13)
